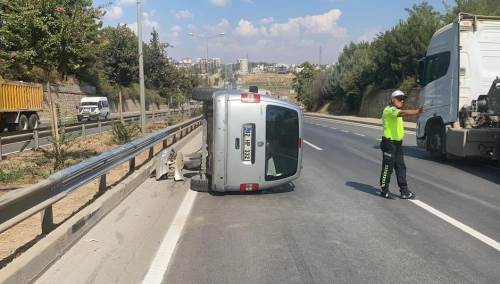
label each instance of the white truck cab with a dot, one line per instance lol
(460, 89)
(254, 141)
(93, 108)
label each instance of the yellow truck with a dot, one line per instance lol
(19, 104)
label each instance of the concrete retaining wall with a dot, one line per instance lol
(374, 103)
(68, 97)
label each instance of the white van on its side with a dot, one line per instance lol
(254, 141)
(93, 108)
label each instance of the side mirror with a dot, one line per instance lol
(421, 72)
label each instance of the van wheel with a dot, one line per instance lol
(23, 123)
(34, 121)
(436, 141)
(200, 184)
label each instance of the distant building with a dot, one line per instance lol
(282, 69)
(243, 66)
(185, 63)
(216, 62)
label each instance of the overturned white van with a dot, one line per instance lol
(252, 142)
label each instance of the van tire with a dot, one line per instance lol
(436, 144)
(23, 123)
(200, 184)
(34, 121)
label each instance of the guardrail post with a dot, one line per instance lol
(36, 142)
(47, 220)
(83, 130)
(131, 165)
(102, 184)
(165, 144)
(99, 124)
(1, 153)
(151, 152)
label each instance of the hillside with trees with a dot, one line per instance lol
(60, 40)
(389, 61)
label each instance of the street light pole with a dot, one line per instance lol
(206, 38)
(141, 69)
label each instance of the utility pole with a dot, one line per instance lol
(320, 55)
(141, 68)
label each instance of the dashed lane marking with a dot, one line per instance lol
(312, 145)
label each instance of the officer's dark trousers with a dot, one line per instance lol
(393, 159)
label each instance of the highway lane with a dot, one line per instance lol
(329, 226)
(332, 227)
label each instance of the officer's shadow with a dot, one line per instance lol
(366, 188)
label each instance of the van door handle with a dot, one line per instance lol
(237, 143)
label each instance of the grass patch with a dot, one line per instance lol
(10, 176)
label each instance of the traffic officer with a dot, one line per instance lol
(391, 145)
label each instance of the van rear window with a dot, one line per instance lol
(282, 142)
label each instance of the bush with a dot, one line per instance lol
(123, 134)
(172, 120)
(7, 176)
(61, 144)
(408, 84)
(197, 112)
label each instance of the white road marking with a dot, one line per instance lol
(359, 134)
(312, 145)
(379, 139)
(356, 124)
(483, 238)
(345, 131)
(164, 254)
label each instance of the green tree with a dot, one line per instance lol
(476, 7)
(118, 54)
(303, 83)
(54, 35)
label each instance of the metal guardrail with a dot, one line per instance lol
(28, 136)
(20, 205)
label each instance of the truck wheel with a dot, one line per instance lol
(23, 123)
(34, 121)
(436, 141)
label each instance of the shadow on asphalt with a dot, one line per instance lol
(363, 188)
(482, 168)
(479, 167)
(289, 187)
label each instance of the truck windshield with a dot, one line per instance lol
(88, 104)
(282, 148)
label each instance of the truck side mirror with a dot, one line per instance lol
(421, 72)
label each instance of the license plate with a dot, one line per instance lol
(247, 143)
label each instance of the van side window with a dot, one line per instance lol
(436, 66)
(282, 142)
(105, 104)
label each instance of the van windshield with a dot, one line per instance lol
(282, 142)
(88, 104)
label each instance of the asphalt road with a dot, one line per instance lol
(328, 227)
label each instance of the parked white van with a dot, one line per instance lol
(253, 141)
(93, 108)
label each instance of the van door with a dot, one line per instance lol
(245, 144)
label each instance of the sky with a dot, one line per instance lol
(279, 31)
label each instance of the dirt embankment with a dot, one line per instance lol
(29, 167)
(279, 84)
